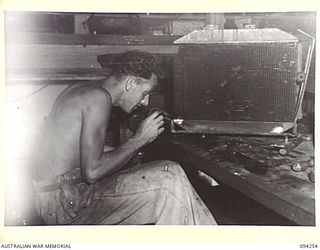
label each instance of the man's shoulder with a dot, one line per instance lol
(96, 95)
(94, 103)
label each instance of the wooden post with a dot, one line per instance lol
(79, 19)
(216, 19)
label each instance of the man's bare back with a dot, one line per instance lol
(59, 147)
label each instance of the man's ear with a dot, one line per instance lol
(130, 82)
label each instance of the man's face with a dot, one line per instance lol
(137, 94)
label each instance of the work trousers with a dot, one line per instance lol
(153, 193)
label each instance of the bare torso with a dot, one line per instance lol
(59, 145)
(75, 130)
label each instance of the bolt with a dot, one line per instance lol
(283, 151)
(296, 167)
(300, 166)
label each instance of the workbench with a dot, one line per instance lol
(275, 186)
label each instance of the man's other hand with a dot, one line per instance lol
(151, 127)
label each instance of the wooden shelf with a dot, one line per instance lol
(88, 39)
(45, 76)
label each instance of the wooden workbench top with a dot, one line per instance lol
(276, 186)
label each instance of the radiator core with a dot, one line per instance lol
(246, 77)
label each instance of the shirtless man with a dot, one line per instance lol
(77, 182)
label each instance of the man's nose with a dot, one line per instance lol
(145, 101)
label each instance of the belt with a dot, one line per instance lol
(70, 178)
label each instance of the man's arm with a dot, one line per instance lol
(97, 164)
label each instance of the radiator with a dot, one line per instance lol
(241, 80)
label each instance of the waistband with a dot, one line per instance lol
(70, 178)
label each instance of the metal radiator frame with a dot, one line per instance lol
(250, 127)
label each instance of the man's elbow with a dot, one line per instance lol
(90, 175)
(90, 179)
(94, 172)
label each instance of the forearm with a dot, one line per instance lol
(96, 163)
(120, 156)
(112, 161)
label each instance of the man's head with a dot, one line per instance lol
(135, 72)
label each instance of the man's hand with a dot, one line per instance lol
(150, 128)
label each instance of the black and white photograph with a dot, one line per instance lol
(148, 118)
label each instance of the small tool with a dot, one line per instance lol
(177, 124)
(175, 121)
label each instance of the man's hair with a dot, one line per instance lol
(135, 63)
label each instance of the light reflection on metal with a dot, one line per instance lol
(236, 36)
(277, 130)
